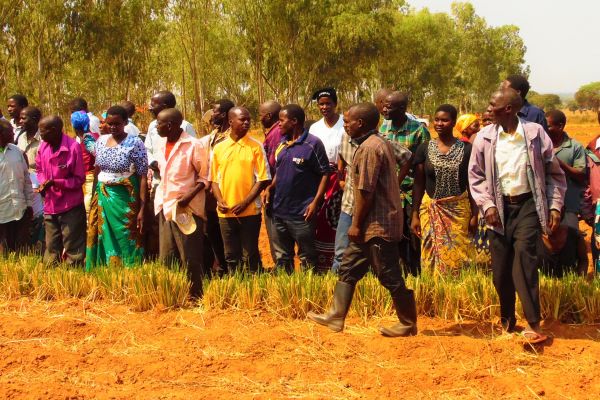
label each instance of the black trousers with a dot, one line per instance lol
(174, 246)
(240, 239)
(515, 261)
(410, 247)
(382, 256)
(214, 253)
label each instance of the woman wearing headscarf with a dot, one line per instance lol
(443, 211)
(87, 140)
(467, 126)
(117, 207)
(330, 130)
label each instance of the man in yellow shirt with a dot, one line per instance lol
(239, 173)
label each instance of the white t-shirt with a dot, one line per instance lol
(131, 129)
(331, 137)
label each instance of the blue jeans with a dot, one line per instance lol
(287, 234)
(341, 239)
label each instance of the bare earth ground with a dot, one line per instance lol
(78, 350)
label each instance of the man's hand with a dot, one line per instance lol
(44, 186)
(355, 235)
(140, 220)
(265, 196)
(311, 211)
(222, 207)
(415, 226)
(553, 221)
(184, 200)
(239, 208)
(492, 217)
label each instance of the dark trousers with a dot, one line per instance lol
(214, 253)
(240, 239)
(66, 231)
(187, 249)
(289, 232)
(151, 245)
(410, 247)
(14, 235)
(382, 256)
(515, 262)
(270, 227)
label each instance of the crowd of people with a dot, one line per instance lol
(366, 189)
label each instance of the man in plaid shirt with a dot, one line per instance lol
(399, 129)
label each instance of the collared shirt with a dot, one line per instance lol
(236, 167)
(531, 113)
(273, 139)
(572, 153)
(511, 161)
(186, 166)
(94, 123)
(300, 166)
(210, 141)
(65, 168)
(29, 147)
(330, 136)
(409, 135)
(374, 169)
(16, 193)
(347, 155)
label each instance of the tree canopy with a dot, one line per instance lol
(588, 96)
(250, 51)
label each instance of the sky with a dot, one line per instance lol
(561, 37)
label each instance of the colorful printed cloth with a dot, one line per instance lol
(113, 237)
(327, 219)
(445, 244)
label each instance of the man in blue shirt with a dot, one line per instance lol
(298, 188)
(528, 112)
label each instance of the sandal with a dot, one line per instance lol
(532, 337)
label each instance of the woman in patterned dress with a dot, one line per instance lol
(117, 209)
(443, 212)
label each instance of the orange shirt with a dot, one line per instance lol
(168, 148)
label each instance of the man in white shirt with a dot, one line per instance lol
(14, 105)
(80, 104)
(16, 194)
(131, 129)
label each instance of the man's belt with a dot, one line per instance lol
(518, 199)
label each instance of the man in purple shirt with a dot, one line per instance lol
(61, 174)
(268, 113)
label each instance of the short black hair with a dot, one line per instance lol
(225, 105)
(450, 109)
(20, 100)
(295, 111)
(33, 112)
(118, 110)
(168, 98)
(368, 113)
(519, 83)
(4, 125)
(129, 106)
(78, 104)
(557, 116)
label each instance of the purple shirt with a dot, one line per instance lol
(272, 140)
(65, 168)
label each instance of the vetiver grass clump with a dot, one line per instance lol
(468, 295)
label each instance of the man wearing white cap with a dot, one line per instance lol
(179, 201)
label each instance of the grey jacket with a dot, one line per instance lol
(545, 176)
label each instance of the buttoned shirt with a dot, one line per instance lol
(236, 166)
(65, 167)
(511, 161)
(152, 139)
(347, 155)
(410, 135)
(374, 169)
(572, 153)
(186, 167)
(16, 193)
(29, 147)
(273, 139)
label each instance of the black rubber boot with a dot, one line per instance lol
(406, 310)
(334, 319)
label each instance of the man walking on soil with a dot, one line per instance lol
(376, 227)
(519, 187)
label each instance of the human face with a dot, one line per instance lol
(156, 106)
(472, 129)
(240, 122)
(555, 129)
(286, 125)
(218, 117)
(487, 118)
(163, 126)
(353, 125)
(14, 109)
(326, 106)
(49, 133)
(394, 110)
(265, 117)
(443, 123)
(116, 125)
(27, 122)
(499, 108)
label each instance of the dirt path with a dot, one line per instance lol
(76, 350)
